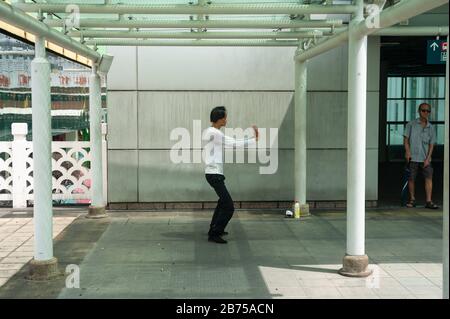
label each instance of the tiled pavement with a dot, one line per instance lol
(166, 255)
(16, 241)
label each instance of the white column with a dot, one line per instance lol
(300, 131)
(105, 163)
(19, 132)
(356, 138)
(42, 154)
(95, 119)
(445, 287)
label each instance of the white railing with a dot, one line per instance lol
(6, 190)
(70, 169)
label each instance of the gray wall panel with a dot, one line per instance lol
(247, 184)
(178, 85)
(327, 175)
(327, 120)
(122, 176)
(122, 75)
(372, 118)
(122, 120)
(161, 180)
(161, 112)
(373, 63)
(437, 16)
(328, 71)
(215, 68)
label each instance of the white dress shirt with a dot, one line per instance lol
(213, 154)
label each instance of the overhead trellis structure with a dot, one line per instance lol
(262, 23)
(206, 23)
(311, 26)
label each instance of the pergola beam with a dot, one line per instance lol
(412, 31)
(193, 35)
(231, 8)
(29, 24)
(397, 13)
(388, 17)
(183, 43)
(111, 35)
(196, 24)
(313, 33)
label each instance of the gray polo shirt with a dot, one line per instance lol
(419, 139)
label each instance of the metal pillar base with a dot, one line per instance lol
(43, 270)
(355, 266)
(96, 212)
(304, 210)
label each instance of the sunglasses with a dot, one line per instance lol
(427, 111)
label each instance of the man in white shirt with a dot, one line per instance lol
(214, 172)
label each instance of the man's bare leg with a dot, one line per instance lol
(428, 188)
(411, 187)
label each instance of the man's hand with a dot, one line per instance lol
(426, 162)
(255, 128)
(407, 149)
(408, 156)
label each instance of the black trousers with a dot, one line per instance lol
(225, 207)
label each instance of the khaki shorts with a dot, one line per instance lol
(414, 167)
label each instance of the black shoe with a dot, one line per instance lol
(222, 234)
(431, 205)
(217, 239)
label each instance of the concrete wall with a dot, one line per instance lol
(153, 90)
(435, 17)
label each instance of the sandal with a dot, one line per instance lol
(411, 203)
(431, 205)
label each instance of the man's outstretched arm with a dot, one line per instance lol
(230, 142)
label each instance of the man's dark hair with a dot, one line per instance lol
(424, 104)
(217, 113)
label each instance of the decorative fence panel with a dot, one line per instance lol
(6, 171)
(71, 175)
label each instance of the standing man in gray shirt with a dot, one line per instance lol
(419, 140)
